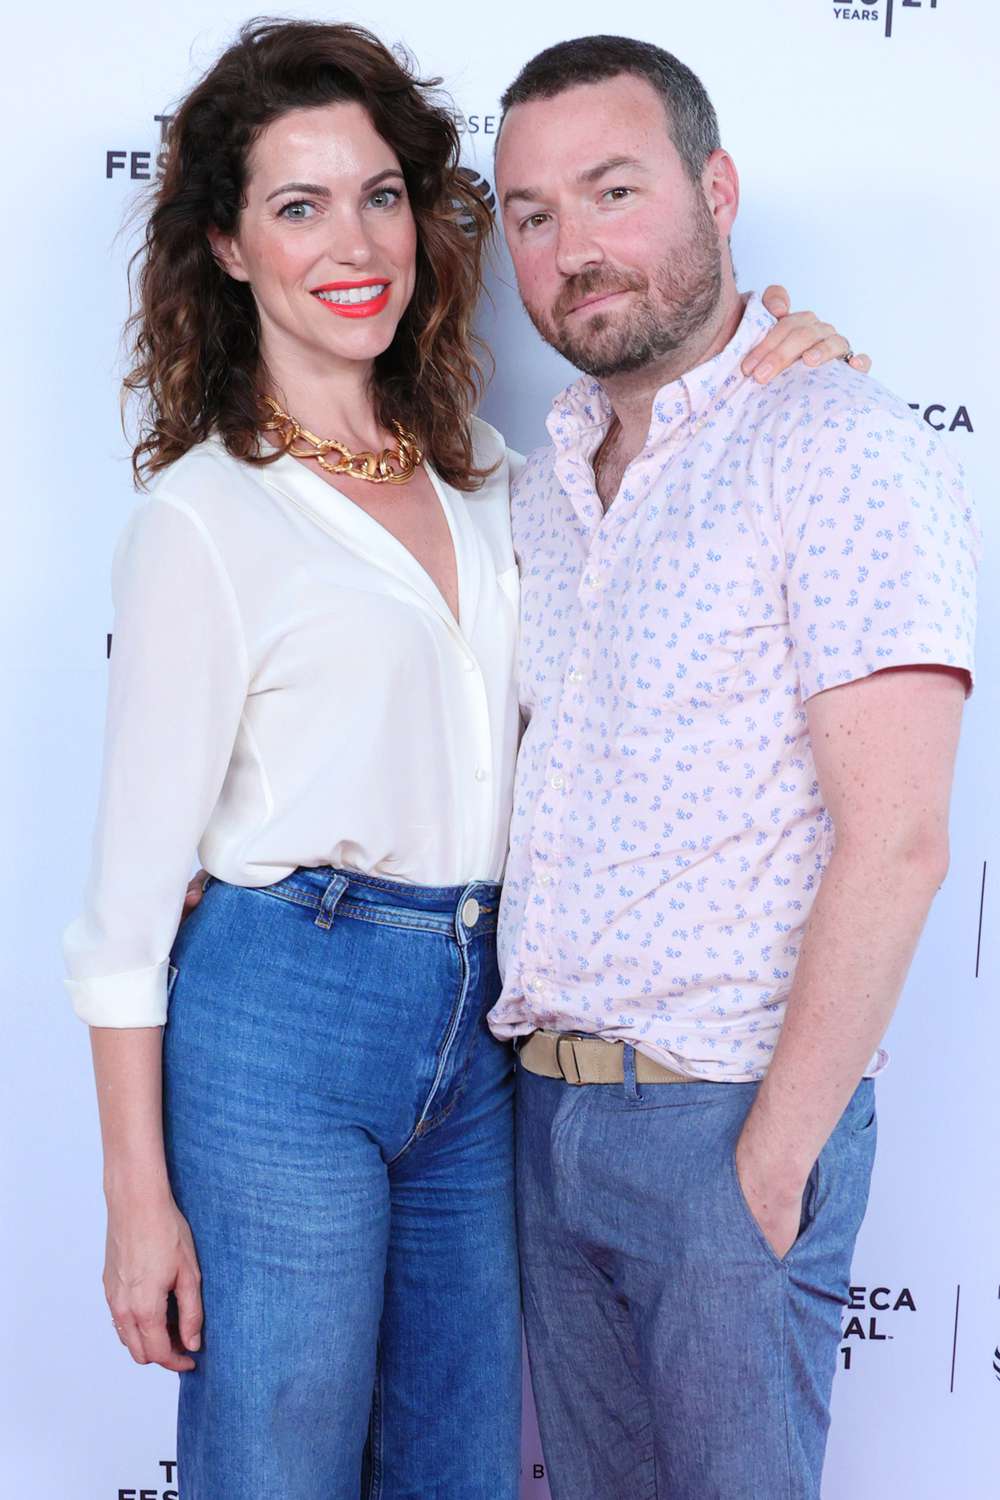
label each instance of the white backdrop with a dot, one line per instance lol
(866, 138)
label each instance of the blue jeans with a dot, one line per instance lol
(673, 1355)
(340, 1138)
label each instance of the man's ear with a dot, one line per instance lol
(721, 185)
(226, 250)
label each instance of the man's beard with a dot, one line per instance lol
(668, 311)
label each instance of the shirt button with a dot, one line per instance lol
(470, 912)
(470, 664)
(557, 782)
(481, 773)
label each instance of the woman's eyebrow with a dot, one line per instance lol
(317, 191)
(300, 187)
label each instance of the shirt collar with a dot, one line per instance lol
(580, 414)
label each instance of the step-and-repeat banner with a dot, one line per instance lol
(866, 139)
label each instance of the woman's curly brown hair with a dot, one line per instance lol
(195, 331)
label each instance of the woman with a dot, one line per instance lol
(312, 682)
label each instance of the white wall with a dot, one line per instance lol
(870, 188)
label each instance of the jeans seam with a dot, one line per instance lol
(375, 1433)
(784, 1386)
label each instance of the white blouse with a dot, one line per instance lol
(288, 687)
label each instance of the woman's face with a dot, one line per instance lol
(327, 240)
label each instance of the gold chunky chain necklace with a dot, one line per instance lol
(391, 466)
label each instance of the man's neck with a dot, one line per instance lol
(631, 395)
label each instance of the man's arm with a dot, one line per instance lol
(884, 748)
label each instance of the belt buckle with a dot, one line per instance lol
(568, 1039)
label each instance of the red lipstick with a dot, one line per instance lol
(355, 309)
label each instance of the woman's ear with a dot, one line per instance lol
(226, 250)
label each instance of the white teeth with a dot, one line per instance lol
(350, 295)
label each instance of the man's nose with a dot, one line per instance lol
(576, 248)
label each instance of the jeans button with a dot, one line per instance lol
(470, 912)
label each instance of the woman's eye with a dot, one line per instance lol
(296, 210)
(385, 197)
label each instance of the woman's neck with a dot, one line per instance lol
(333, 399)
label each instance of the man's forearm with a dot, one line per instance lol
(859, 942)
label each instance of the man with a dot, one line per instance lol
(747, 619)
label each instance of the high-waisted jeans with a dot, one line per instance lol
(339, 1137)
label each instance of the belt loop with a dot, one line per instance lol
(324, 917)
(628, 1068)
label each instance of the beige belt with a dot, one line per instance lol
(588, 1059)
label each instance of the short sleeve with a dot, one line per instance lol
(176, 690)
(881, 556)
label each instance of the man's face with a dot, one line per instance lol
(618, 253)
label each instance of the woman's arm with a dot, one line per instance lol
(149, 1251)
(178, 682)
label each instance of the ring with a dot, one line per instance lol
(848, 356)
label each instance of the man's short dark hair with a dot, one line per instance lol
(691, 118)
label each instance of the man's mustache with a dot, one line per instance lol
(596, 283)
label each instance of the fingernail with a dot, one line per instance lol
(750, 364)
(195, 1343)
(764, 370)
(811, 357)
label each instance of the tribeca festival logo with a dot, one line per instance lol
(139, 166)
(169, 1478)
(884, 13)
(866, 1312)
(943, 417)
(144, 165)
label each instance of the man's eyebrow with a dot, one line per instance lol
(610, 164)
(588, 175)
(316, 191)
(522, 195)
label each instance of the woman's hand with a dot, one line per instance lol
(150, 1253)
(796, 336)
(194, 893)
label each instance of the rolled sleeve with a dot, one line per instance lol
(882, 550)
(176, 691)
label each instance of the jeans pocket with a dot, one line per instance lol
(810, 1199)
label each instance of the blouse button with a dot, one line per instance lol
(481, 774)
(557, 782)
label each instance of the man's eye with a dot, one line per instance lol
(618, 194)
(296, 210)
(533, 221)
